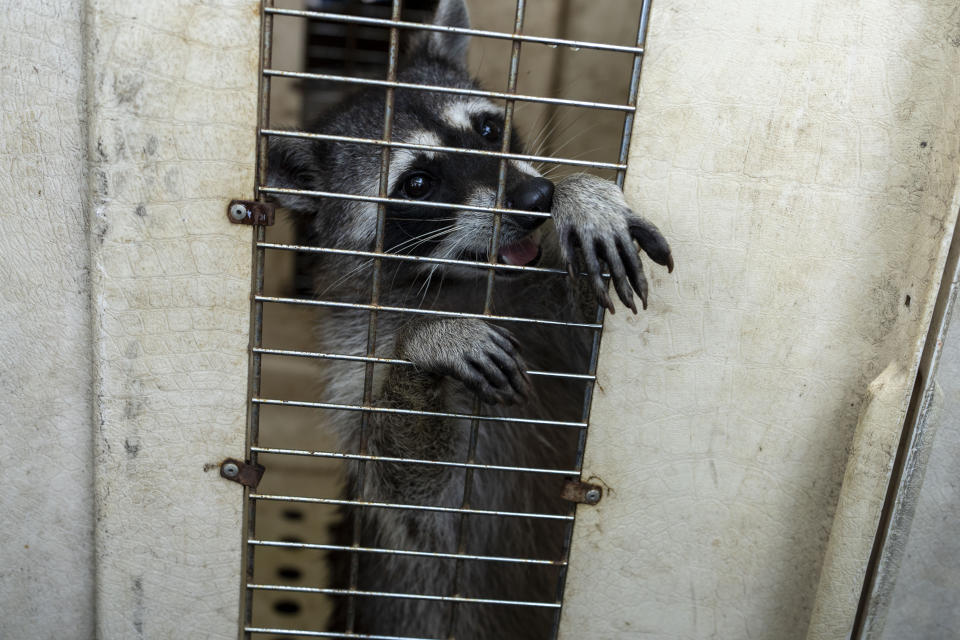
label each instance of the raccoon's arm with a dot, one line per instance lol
(483, 356)
(596, 224)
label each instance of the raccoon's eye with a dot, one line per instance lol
(489, 130)
(417, 185)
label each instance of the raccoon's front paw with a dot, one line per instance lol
(591, 215)
(483, 356)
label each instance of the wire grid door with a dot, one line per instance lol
(257, 540)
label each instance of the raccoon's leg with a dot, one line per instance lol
(483, 357)
(593, 220)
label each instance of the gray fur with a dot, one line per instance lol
(455, 360)
(442, 44)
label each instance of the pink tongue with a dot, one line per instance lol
(520, 253)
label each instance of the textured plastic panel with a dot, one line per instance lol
(172, 116)
(46, 558)
(802, 158)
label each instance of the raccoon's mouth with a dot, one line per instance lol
(523, 252)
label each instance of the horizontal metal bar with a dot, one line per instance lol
(409, 258)
(426, 312)
(426, 147)
(402, 596)
(330, 356)
(404, 552)
(437, 463)
(412, 412)
(387, 200)
(329, 634)
(483, 33)
(497, 95)
(397, 361)
(499, 266)
(561, 374)
(411, 507)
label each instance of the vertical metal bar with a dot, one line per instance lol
(488, 301)
(504, 148)
(374, 300)
(550, 113)
(256, 319)
(625, 140)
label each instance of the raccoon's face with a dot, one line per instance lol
(419, 177)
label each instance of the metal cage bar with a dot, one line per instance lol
(497, 95)
(256, 313)
(394, 55)
(411, 258)
(349, 358)
(403, 596)
(439, 463)
(374, 308)
(412, 507)
(488, 303)
(428, 312)
(329, 634)
(403, 552)
(307, 135)
(595, 351)
(520, 37)
(387, 200)
(416, 412)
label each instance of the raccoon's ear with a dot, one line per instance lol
(294, 163)
(451, 47)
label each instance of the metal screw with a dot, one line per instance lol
(592, 496)
(238, 213)
(230, 469)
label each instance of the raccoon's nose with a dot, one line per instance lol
(536, 194)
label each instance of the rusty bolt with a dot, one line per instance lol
(246, 473)
(251, 212)
(238, 212)
(582, 492)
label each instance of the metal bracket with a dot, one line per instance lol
(582, 492)
(251, 212)
(241, 472)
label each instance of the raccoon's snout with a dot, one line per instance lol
(535, 194)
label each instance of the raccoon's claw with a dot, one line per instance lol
(484, 357)
(594, 222)
(614, 253)
(496, 375)
(650, 240)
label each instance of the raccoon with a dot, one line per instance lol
(458, 362)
